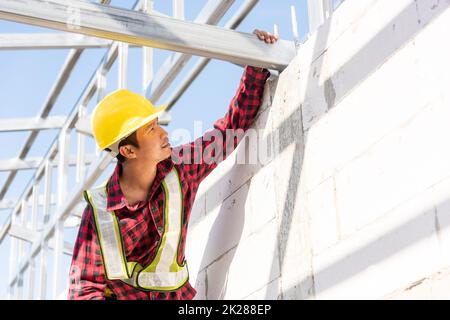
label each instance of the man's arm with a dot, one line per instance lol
(201, 156)
(87, 278)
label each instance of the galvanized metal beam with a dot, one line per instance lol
(40, 41)
(34, 163)
(7, 204)
(61, 80)
(19, 164)
(16, 284)
(5, 228)
(147, 53)
(150, 30)
(11, 203)
(233, 23)
(76, 193)
(318, 12)
(26, 124)
(62, 213)
(211, 14)
(31, 236)
(44, 167)
(33, 41)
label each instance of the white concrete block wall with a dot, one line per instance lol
(355, 204)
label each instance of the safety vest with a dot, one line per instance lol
(163, 273)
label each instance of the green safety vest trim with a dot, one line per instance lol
(163, 273)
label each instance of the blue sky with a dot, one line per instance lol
(27, 77)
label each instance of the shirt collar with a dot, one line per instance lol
(116, 198)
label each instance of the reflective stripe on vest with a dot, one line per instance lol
(164, 273)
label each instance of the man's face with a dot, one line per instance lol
(153, 143)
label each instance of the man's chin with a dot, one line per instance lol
(169, 154)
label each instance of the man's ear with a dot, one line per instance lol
(127, 151)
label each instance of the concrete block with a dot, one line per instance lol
(200, 284)
(393, 252)
(370, 140)
(242, 164)
(246, 268)
(198, 210)
(269, 92)
(242, 213)
(225, 180)
(292, 216)
(284, 165)
(217, 276)
(229, 221)
(433, 287)
(401, 165)
(334, 140)
(288, 97)
(261, 200)
(427, 10)
(441, 195)
(197, 243)
(440, 285)
(295, 245)
(360, 51)
(322, 211)
(269, 292)
(419, 290)
(345, 16)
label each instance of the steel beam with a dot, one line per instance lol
(61, 80)
(31, 236)
(35, 123)
(147, 53)
(62, 213)
(7, 204)
(233, 23)
(318, 12)
(34, 163)
(56, 225)
(211, 14)
(33, 41)
(40, 41)
(44, 167)
(76, 194)
(150, 30)
(10, 203)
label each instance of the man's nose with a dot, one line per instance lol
(163, 132)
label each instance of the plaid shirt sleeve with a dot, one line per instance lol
(201, 156)
(87, 278)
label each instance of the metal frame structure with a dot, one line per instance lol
(147, 29)
(32, 237)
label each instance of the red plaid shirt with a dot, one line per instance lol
(141, 224)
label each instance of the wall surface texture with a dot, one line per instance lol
(355, 201)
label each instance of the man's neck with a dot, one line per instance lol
(136, 180)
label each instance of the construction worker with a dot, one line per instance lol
(132, 234)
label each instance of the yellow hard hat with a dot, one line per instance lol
(118, 115)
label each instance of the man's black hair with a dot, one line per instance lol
(131, 140)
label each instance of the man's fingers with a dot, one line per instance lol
(266, 36)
